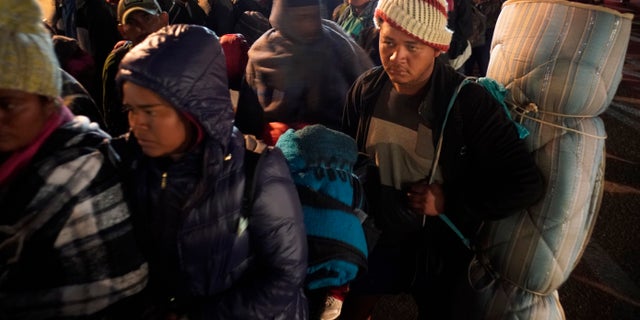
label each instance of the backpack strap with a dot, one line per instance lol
(242, 247)
(498, 92)
(436, 159)
(252, 160)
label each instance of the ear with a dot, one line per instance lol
(164, 18)
(437, 54)
(121, 30)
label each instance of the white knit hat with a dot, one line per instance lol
(425, 20)
(27, 60)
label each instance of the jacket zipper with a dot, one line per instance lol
(163, 182)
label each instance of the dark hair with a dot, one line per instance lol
(379, 21)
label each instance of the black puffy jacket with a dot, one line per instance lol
(224, 271)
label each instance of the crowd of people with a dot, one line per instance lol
(144, 191)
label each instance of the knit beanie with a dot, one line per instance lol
(321, 162)
(27, 60)
(424, 20)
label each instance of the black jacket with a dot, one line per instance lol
(487, 169)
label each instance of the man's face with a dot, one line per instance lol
(407, 61)
(22, 118)
(140, 24)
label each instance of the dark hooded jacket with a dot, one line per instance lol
(193, 225)
(297, 77)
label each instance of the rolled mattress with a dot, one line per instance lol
(566, 59)
(538, 249)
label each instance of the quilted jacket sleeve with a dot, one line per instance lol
(277, 230)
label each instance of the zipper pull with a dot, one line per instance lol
(163, 182)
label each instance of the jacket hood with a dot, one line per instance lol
(297, 20)
(185, 65)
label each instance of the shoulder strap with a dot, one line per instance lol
(436, 159)
(251, 162)
(498, 92)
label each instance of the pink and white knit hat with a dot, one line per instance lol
(425, 20)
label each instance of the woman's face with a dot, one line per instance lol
(22, 117)
(157, 126)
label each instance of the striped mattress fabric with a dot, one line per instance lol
(562, 63)
(566, 57)
(538, 249)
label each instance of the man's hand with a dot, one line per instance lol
(426, 199)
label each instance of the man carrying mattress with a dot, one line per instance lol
(442, 173)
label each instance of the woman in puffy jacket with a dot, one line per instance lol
(208, 258)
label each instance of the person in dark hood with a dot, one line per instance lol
(208, 257)
(299, 71)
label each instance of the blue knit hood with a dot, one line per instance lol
(195, 84)
(321, 162)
